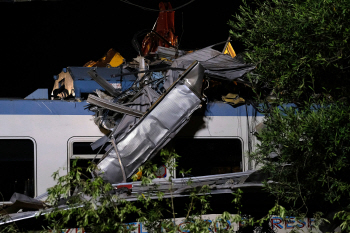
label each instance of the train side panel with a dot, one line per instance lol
(54, 126)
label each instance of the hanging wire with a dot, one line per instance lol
(178, 44)
(150, 9)
(207, 101)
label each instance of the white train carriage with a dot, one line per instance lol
(38, 137)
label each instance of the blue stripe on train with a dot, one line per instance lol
(59, 107)
(223, 109)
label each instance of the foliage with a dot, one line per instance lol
(312, 154)
(302, 56)
(299, 47)
(344, 216)
(153, 217)
(94, 205)
(10, 228)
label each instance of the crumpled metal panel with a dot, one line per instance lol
(216, 64)
(165, 118)
(147, 97)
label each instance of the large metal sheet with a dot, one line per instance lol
(216, 64)
(165, 117)
(142, 103)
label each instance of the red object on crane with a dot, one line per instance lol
(163, 33)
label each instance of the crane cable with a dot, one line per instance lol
(150, 9)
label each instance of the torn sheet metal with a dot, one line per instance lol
(21, 201)
(141, 102)
(216, 65)
(169, 53)
(165, 118)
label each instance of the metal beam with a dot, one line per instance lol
(113, 106)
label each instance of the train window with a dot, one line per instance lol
(16, 167)
(208, 156)
(82, 152)
(83, 149)
(79, 149)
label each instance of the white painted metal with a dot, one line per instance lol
(54, 136)
(51, 134)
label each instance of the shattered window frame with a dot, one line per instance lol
(86, 139)
(35, 191)
(70, 150)
(91, 139)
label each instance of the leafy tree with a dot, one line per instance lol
(302, 56)
(300, 47)
(92, 205)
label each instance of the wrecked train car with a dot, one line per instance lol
(53, 132)
(120, 115)
(136, 116)
(194, 100)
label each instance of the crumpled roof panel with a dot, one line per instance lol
(215, 63)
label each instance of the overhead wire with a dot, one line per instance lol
(150, 9)
(178, 44)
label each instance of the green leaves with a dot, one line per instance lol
(295, 44)
(344, 216)
(94, 207)
(312, 147)
(237, 200)
(302, 57)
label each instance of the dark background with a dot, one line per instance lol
(39, 38)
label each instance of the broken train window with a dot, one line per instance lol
(208, 156)
(80, 150)
(17, 167)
